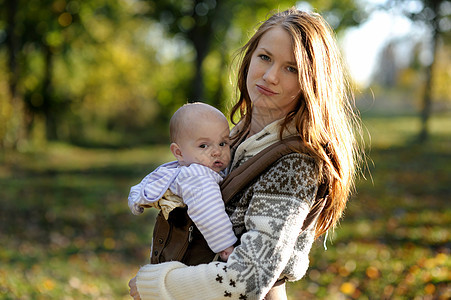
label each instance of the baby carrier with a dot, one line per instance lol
(178, 238)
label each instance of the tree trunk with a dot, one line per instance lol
(202, 36)
(201, 45)
(427, 97)
(15, 125)
(218, 96)
(49, 107)
(12, 46)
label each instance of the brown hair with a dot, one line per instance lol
(323, 116)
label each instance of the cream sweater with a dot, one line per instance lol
(268, 216)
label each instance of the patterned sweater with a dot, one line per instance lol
(268, 215)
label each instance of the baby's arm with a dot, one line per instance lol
(151, 188)
(205, 207)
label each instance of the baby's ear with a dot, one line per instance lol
(175, 149)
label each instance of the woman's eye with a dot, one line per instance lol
(292, 70)
(264, 57)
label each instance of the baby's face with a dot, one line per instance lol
(206, 142)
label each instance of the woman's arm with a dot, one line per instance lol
(278, 204)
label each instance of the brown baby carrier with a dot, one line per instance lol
(178, 238)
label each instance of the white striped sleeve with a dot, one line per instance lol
(201, 193)
(152, 187)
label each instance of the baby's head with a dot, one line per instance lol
(200, 134)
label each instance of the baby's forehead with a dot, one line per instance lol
(206, 124)
(201, 112)
(196, 117)
(207, 129)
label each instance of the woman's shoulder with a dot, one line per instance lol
(295, 162)
(294, 175)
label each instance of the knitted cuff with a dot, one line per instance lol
(150, 280)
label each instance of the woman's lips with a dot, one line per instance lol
(265, 91)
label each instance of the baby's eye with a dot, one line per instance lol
(223, 144)
(264, 57)
(203, 146)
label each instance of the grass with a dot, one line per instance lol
(394, 241)
(66, 231)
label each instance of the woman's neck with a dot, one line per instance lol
(262, 118)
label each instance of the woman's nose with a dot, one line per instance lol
(271, 75)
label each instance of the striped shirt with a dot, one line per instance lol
(198, 187)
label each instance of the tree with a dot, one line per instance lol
(434, 15)
(12, 49)
(207, 25)
(38, 35)
(81, 67)
(35, 33)
(387, 72)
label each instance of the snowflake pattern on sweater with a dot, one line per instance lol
(270, 214)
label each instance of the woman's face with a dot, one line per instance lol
(272, 80)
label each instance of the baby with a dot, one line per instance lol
(200, 143)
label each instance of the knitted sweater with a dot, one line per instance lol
(268, 215)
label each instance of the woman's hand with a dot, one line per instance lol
(134, 289)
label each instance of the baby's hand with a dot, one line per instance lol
(224, 254)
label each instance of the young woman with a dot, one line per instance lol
(292, 83)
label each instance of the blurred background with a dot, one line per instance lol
(86, 92)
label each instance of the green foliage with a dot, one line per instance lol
(102, 73)
(67, 232)
(96, 73)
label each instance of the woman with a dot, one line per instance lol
(291, 82)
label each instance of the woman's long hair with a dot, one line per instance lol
(323, 116)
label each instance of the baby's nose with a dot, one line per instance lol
(215, 151)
